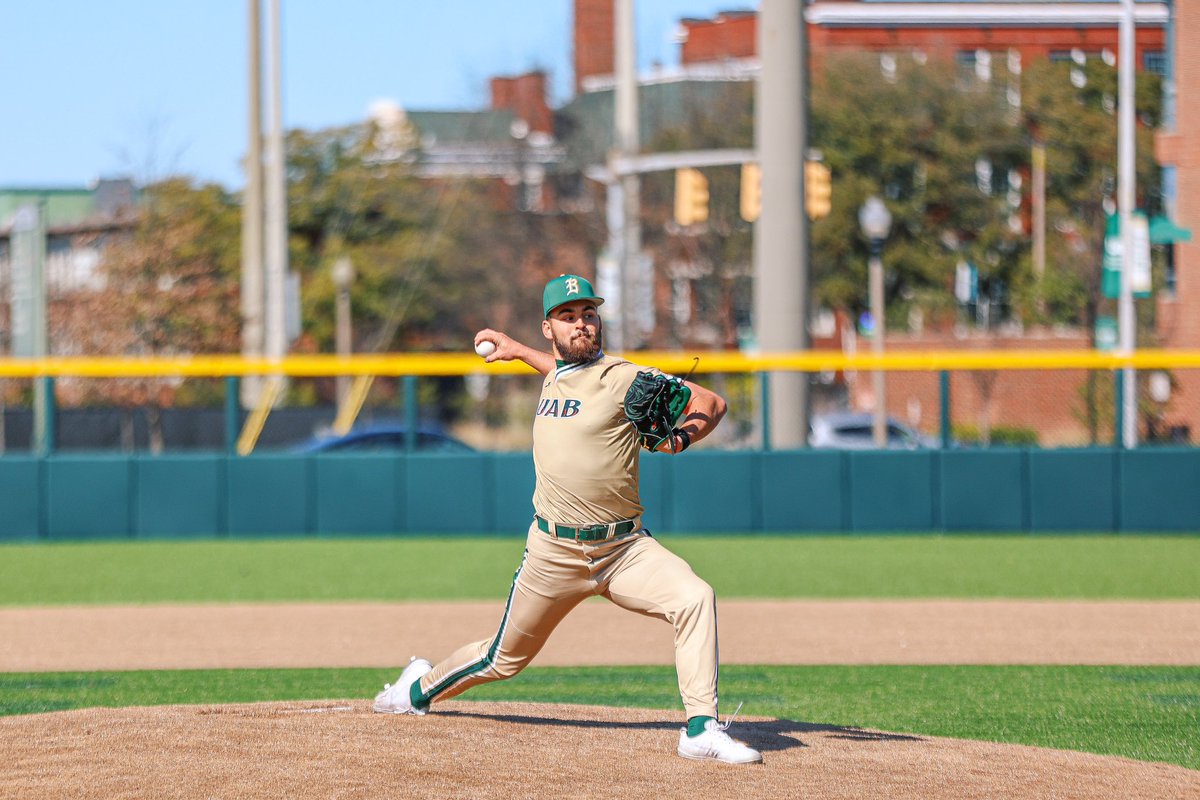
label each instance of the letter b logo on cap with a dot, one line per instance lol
(566, 288)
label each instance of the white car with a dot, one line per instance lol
(851, 430)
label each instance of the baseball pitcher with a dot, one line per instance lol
(594, 416)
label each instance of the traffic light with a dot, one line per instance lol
(818, 192)
(691, 196)
(751, 191)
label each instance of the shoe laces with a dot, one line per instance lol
(724, 726)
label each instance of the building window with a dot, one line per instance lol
(1077, 55)
(1155, 61)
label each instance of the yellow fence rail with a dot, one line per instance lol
(397, 364)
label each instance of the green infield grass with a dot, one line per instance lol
(1146, 713)
(462, 567)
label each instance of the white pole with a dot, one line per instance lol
(879, 380)
(343, 279)
(781, 232)
(276, 197)
(635, 293)
(252, 209)
(1126, 196)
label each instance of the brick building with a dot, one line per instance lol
(1057, 31)
(78, 222)
(975, 35)
(512, 140)
(1178, 150)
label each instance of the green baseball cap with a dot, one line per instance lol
(565, 289)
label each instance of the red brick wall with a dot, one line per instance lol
(1032, 43)
(594, 33)
(1179, 317)
(525, 96)
(728, 35)
(734, 35)
(1047, 401)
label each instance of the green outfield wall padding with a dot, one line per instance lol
(657, 492)
(984, 490)
(101, 495)
(714, 491)
(446, 493)
(1160, 490)
(512, 498)
(891, 491)
(178, 495)
(1072, 490)
(358, 493)
(802, 491)
(89, 496)
(269, 494)
(21, 498)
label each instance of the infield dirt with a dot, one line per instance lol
(338, 748)
(598, 633)
(518, 750)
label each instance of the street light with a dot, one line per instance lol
(875, 221)
(343, 276)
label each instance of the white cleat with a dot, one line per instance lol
(716, 745)
(394, 699)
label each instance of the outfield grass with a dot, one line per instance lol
(1147, 713)
(1094, 567)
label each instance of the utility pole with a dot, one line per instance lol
(28, 329)
(343, 280)
(252, 210)
(1037, 195)
(276, 197)
(636, 290)
(1126, 197)
(781, 232)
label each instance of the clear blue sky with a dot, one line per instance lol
(149, 87)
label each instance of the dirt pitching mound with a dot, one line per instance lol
(520, 750)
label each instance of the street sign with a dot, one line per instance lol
(1106, 333)
(1110, 278)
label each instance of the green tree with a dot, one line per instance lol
(167, 286)
(168, 283)
(1078, 125)
(435, 260)
(713, 259)
(938, 148)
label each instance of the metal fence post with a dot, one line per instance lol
(1118, 409)
(46, 433)
(944, 392)
(764, 387)
(232, 412)
(410, 413)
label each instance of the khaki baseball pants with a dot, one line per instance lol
(634, 571)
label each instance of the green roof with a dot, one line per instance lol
(463, 127)
(661, 106)
(67, 206)
(63, 206)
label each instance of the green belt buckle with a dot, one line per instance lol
(591, 533)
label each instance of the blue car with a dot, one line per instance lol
(385, 438)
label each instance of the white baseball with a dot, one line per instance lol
(485, 348)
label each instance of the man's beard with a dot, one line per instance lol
(580, 348)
